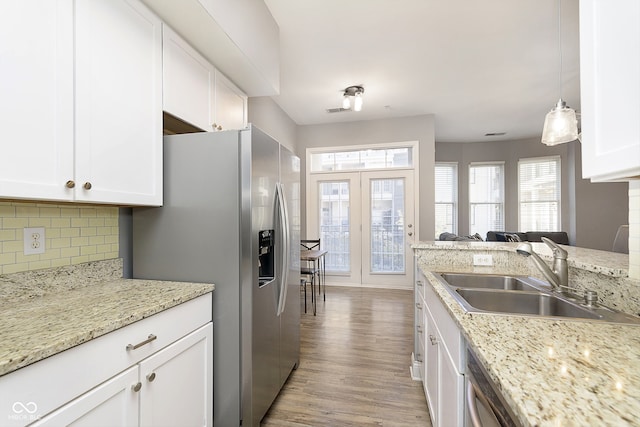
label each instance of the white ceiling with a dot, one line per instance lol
(477, 66)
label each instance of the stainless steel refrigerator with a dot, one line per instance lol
(231, 217)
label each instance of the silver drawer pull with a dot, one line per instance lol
(419, 306)
(419, 283)
(150, 338)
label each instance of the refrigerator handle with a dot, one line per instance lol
(284, 247)
(287, 233)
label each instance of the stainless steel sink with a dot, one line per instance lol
(525, 296)
(535, 303)
(486, 281)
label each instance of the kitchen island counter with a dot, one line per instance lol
(43, 313)
(551, 372)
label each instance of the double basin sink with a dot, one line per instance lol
(521, 295)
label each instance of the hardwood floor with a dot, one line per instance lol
(354, 364)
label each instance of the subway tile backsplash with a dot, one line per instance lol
(74, 234)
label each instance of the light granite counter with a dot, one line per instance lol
(48, 311)
(550, 372)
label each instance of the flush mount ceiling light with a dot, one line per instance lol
(353, 92)
(560, 124)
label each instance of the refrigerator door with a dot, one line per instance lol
(265, 337)
(197, 237)
(290, 315)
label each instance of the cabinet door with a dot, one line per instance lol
(451, 397)
(113, 403)
(610, 88)
(230, 104)
(36, 105)
(431, 367)
(188, 82)
(177, 383)
(118, 103)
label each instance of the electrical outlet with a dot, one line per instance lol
(34, 241)
(483, 259)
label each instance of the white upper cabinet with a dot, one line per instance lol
(230, 105)
(610, 89)
(188, 82)
(36, 105)
(118, 102)
(82, 102)
(195, 92)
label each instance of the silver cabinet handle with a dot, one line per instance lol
(419, 328)
(70, 184)
(151, 377)
(150, 338)
(136, 387)
(433, 340)
(418, 357)
(419, 306)
(419, 283)
(87, 185)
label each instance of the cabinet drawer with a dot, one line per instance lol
(450, 334)
(68, 374)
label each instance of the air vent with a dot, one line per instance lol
(495, 134)
(338, 110)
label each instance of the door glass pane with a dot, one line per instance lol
(334, 224)
(387, 226)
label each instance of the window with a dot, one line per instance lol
(539, 194)
(486, 197)
(446, 183)
(384, 158)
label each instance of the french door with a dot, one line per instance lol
(366, 222)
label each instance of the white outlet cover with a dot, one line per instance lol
(34, 241)
(483, 259)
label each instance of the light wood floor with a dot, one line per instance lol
(354, 364)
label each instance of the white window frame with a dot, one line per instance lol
(499, 203)
(558, 199)
(453, 166)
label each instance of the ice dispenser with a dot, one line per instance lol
(266, 257)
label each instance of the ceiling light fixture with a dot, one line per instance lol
(355, 92)
(560, 124)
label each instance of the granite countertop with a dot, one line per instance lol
(608, 263)
(44, 314)
(555, 372)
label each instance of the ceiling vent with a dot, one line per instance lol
(338, 110)
(495, 134)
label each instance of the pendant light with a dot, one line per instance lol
(560, 124)
(355, 92)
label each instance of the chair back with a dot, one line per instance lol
(310, 244)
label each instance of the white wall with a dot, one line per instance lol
(269, 117)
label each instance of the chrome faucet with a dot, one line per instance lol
(559, 276)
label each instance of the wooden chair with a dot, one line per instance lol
(311, 271)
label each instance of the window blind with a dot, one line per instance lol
(539, 194)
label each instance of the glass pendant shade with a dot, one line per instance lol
(560, 125)
(357, 102)
(346, 102)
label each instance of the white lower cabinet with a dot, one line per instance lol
(112, 403)
(156, 371)
(443, 371)
(172, 388)
(176, 383)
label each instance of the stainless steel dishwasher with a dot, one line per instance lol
(485, 407)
